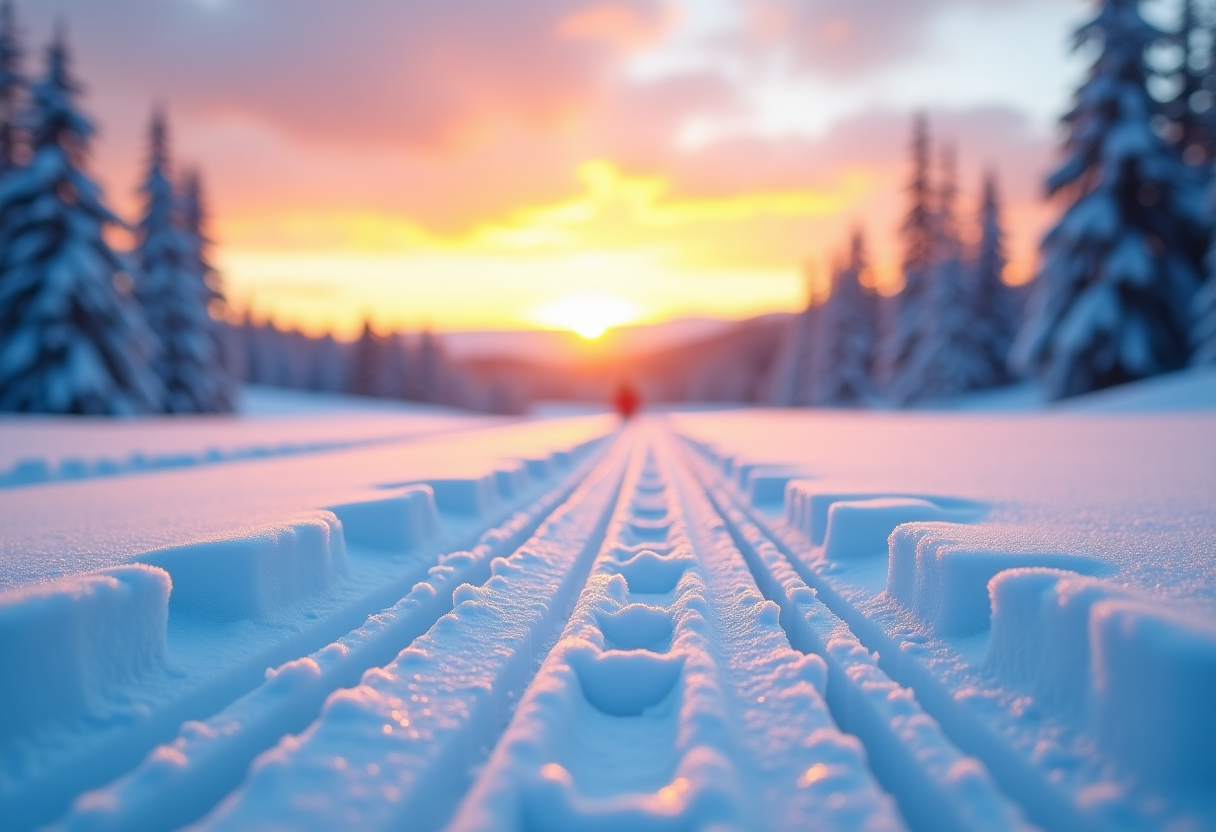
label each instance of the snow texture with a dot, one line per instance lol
(77, 640)
(394, 523)
(256, 573)
(781, 620)
(240, 602)
(1059, 629)
(179, 782)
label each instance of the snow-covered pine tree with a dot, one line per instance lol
(790, 377)
(395, 382)
(328, 365)
(427, 382)
(904, 324)
(995, 312)
(12, 89)
(1203, 331)
(367, 364)
(173, 295)
(1189, 125)
(1120, 268)
(844, 340)
(72, 340)
(1203, 307)
(193, 215)
(949, 357)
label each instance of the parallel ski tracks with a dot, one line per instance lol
(180, 781)
(673, 700)
(633, 652)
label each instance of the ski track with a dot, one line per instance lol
(1028, 762)
(672, 700)
(633, 644)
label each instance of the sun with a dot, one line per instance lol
(587, 315)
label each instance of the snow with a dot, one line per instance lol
(397, 522)
(745, 619)
(256, 400)
(255, 572)
(74, 660)
(1059, 627)
(1154, 673)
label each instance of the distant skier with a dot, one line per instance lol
(626, 400)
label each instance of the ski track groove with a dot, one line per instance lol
(390, 747)
(1029, 785)
(977, 719)
(935, 784)
(711, 681)
(638, 648)
(178, 781)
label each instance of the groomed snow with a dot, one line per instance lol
(741, 619)
(1045, 584)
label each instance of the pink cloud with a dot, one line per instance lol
(623, 26)
(841, 38)
(424, 75)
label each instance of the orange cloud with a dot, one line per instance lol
(621, 26)
(613, 209)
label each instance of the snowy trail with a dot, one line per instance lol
(401, 745)
(981, 636)
(673, 700)
(937, 786)
(205, 660)
(180, 781)
(635, 638)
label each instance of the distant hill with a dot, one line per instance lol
(730, 362)
(566, 349)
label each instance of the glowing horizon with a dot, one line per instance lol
(686, 159)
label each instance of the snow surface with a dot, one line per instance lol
(1061, 627)
(734, 620)
(256, 400)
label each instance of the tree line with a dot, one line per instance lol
(1126, 284)
(88, 329)
(403, 366)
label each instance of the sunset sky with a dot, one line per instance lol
(484, 164)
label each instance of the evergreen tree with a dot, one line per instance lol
(426, 382)
(1203, 333)
(193, 213)
(71, 338)
(367, 364)
(1189, 126)
(844, 341)
(12, 89)
(995, 312)
(904, 324)
(791, 376)
(253, 342)
(329, 365)
(173, 295)
(1119, 270)
(1203, 308)
(395, 383)
(950, 357)
(1203, 103)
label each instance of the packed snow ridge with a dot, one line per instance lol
(753, 620)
